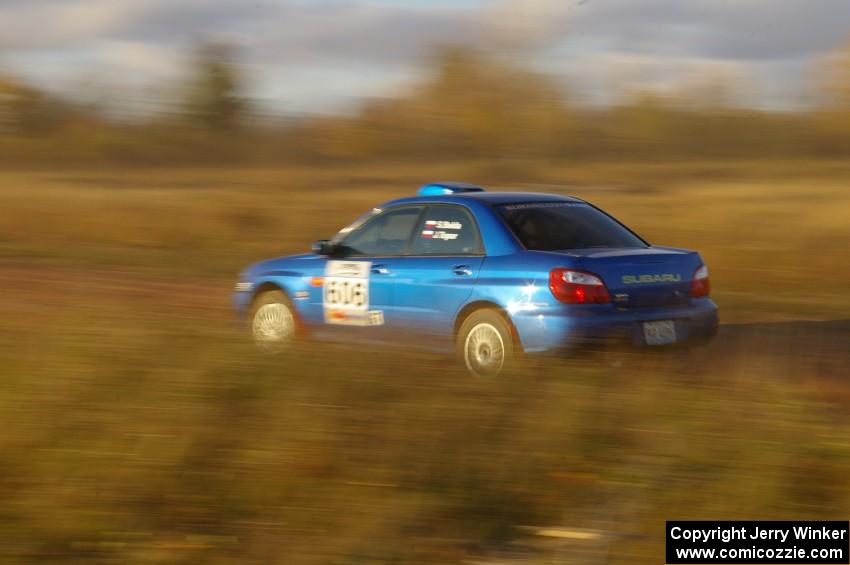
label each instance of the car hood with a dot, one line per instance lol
(277, 265)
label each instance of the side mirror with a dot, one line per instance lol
(323, 247)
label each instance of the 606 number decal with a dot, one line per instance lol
(346, 292)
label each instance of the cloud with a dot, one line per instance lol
(590, 42)
(606, 77)
(740, 29)
(366, 32)
(139, 58)
(762, 48)
(63, 24)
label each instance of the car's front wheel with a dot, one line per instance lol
(272, 322)
(485, 343)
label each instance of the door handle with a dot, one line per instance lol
(380, 269)
(462, 270)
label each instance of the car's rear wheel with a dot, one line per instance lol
(273, 322)
(485, 344)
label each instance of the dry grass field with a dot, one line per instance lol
(137, 425)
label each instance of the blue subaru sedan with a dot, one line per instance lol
(490, 275)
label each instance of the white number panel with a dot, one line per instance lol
(345, 297)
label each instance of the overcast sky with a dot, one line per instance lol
(326, 56)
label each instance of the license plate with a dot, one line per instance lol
(659, 333)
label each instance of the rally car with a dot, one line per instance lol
(490, 275)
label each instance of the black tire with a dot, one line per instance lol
(485, 344)
(273, 323)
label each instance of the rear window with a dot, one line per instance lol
(555, 226)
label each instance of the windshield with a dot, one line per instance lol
(341, 234)
(554, 226)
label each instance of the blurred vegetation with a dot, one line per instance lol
(471, 104)
(213, 98)
(767, 229)
(137, 425)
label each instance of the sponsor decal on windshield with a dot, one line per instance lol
(529, 205)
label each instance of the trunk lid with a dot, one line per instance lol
(649, 277)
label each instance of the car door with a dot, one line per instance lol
(436, 278)
(358, 282)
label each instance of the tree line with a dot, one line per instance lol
(471, 105)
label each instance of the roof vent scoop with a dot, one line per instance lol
(442, 188)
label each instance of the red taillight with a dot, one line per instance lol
(700, 285)
(577, 287)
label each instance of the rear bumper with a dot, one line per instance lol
(577, 327)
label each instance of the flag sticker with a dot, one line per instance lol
(436, 229)
(438, 234)
(442, 225)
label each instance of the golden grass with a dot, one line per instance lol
(774, 235)
(137, 425)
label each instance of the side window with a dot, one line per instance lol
(446, 230)
(385, 234)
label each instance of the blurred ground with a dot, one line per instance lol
(137, 425)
